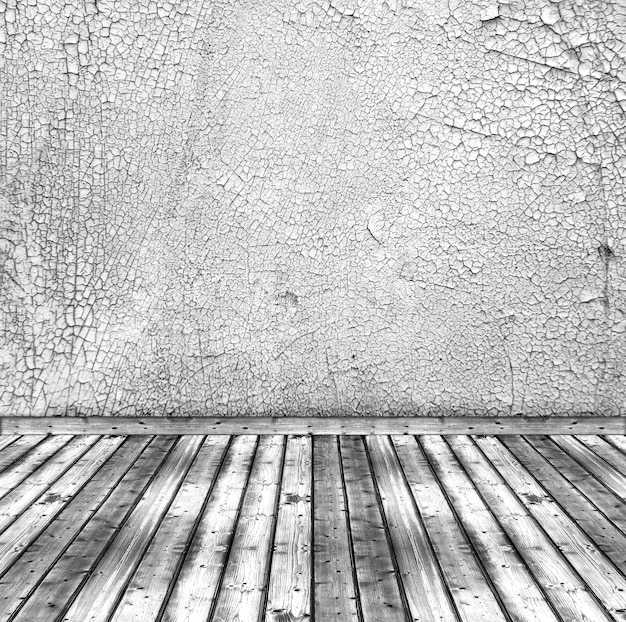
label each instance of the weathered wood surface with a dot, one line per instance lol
(17, 446)
(57, 589)
(147, 591)
(29, 462)
(425, 590)
(604, 533)
(289, 589)
(301, 528)
(202, 568)
(595, 464)
(45, 551)
(513, 582)
(36, 516)
(442, 543)
(245, 575)
(334, 573)
(606, 451)
(30, 489)
(563, 586)
(379, 590)
(603, 578)
(312, 425)
(100, 593)
(601, 495)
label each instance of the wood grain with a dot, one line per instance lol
(29, 569)
(149, 585)
(426, 592)
(603, 532)
(54, 594)
(289, 590)
(23, 495)
(17, 472)
(598, 572)
(593, 463)
(617, 441)
(336, 596)
(593, 489)
(605, 450)
(199, 578)
(380, 595)
(17, 447)
(245, 577)
(301, 528)
(20, 533)
(514, 583)
(567, 592)
(7, 440)
(313, 425)
(98, 596)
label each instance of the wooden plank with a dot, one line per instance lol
(196, 585)
(5, 453)
(426, 592)
(521, 596)
(18, 448)
(6, 440)
(289, 590)
(99, 595)
(605, 450)
(24, 575)
(54, 594)
(148, 589)
(589, 460)
(30, 462)
(598, 572)
(17, 536)
(597, 526)
(313, 425)
(471, 592)
(594, 490)
(335, 593)
(616, 440)
(240, 597)
(23, 495)
(561, 583)
(380, 595)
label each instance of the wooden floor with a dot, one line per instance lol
(298, 528)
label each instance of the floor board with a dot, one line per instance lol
(335, 594)
(289, 588)
(298, 528)
(379, 588)
(13, 447)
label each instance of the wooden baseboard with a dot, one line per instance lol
(312, 425)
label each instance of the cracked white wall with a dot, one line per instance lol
(347, 207)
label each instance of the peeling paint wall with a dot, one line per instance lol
(314, 207)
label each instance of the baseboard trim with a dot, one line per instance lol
(312, 425)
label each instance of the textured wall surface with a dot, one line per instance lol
(281, 207)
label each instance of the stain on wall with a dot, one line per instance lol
(312, 208)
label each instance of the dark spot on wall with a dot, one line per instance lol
(605, 252)
(289, 299)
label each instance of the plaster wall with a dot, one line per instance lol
(312, 207)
